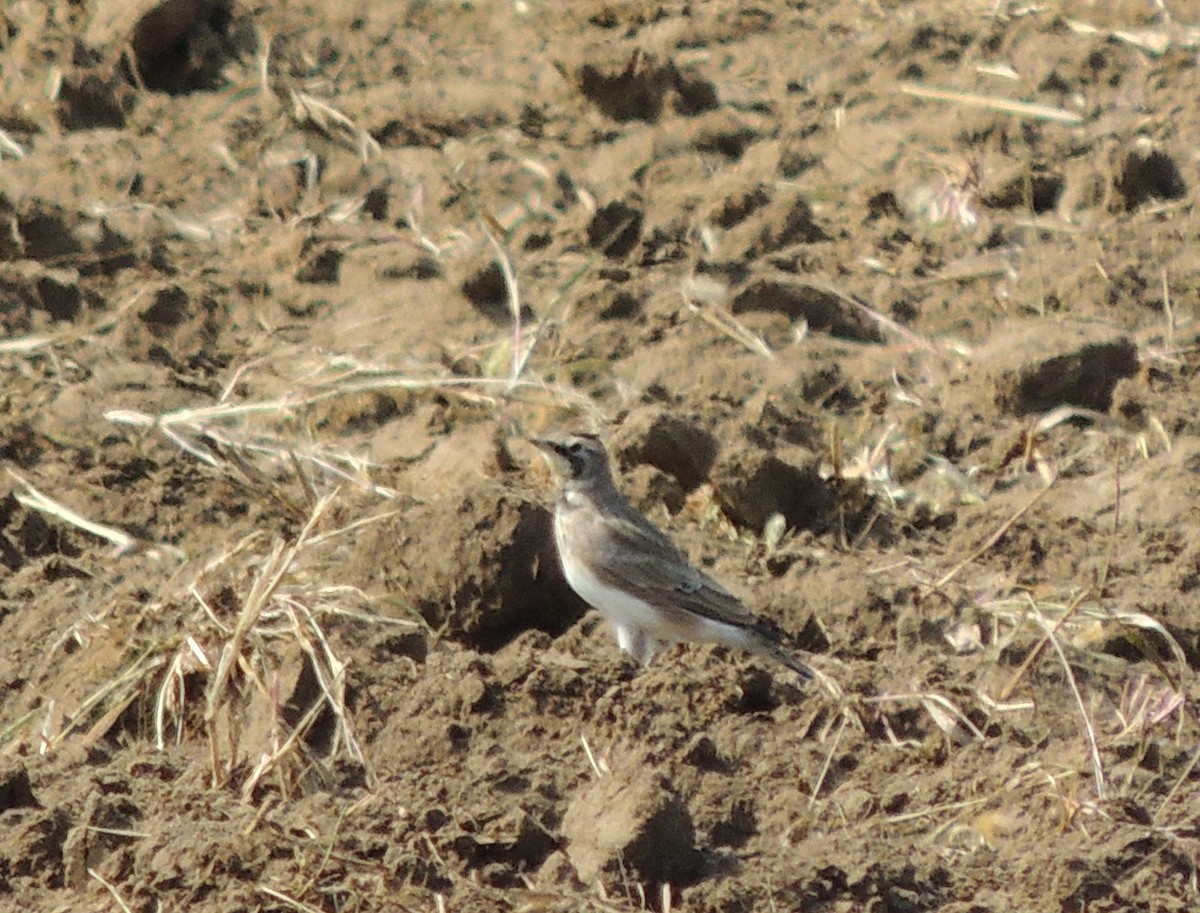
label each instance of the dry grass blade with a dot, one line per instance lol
(172, 692)
(1143, 706)
(1179, 781)
(944, 713)
(200, 432)
(23, 345)
(994, 537)
(270, 612)
(364, 379)
(937, 810)
(289, 901)
(1079, 608)
(330, 672)
(352, 527)
(118, 692)
(705, 298)
(816, 789)
(11, 729)
(111, 890)
(1001, 105)
(217, 226)
(333, 123)
(269, 761)
(832, 688)
(976, 266)
(994, 706)
(887, 324)
(504, 262)
(30, 497)
(1154, 42)
(1143, 621)
(598, 768)
(1089, 729)
(10, 147)
(1007, 690)
(270, 575)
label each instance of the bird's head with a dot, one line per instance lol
(581, 457)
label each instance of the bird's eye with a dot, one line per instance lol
(575, 448)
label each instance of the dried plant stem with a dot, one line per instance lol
(289, 901)
(1072, 608)
(816, 790)
(33, 499)
(1088, 728)
(111, 890)
(504, 262)
(938, 810)
(125, 686)
(925, 699)
(1183, 775)
(994, 537)
(726, 323)
(271, 574)
(1003, 105)
(885, 322)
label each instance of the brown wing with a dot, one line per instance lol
(647, 564)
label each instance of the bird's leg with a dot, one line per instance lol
(636, 643)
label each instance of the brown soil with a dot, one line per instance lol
(916, 375)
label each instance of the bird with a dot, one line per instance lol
(625, 567)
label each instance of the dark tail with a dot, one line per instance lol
(774, 651)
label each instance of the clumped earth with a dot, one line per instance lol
(887, 311)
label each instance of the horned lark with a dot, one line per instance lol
(624, 566)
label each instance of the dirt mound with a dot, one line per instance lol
(885, 311)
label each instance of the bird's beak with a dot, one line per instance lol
(553, 452)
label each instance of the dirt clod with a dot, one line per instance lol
(488, 603)
(821, 309)
(615, 229)
(1150, 174)
(680, 447)
(632, 817)
(1084, 378)
(753, 485)
(15, 788)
